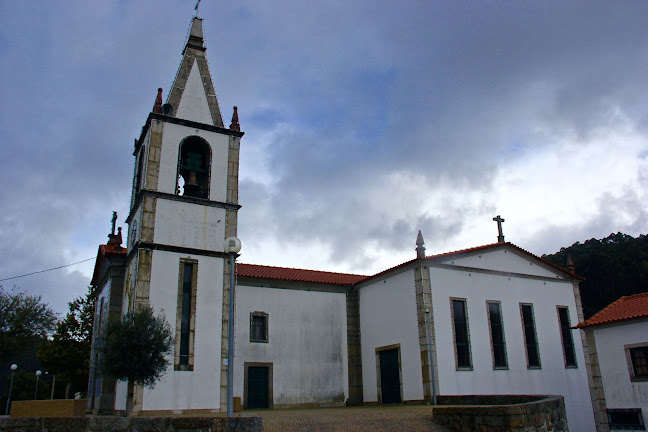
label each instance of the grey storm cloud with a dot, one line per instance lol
(335, 99)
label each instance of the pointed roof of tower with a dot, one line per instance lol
(192, 93)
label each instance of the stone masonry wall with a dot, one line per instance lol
(132, 424)
(502, 413)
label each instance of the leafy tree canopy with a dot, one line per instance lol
(68, 353)
(613, 267)
(136, 347)
(24, 318)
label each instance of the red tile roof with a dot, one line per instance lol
(315, 276)
(297, 275)
(105, 250)
(626, 308)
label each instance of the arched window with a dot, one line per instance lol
(194, 166)
(140, 170)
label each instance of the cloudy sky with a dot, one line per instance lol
(365, 121)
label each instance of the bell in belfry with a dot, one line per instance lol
(191, 187)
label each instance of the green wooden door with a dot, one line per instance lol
(390, 376)
(257, 391)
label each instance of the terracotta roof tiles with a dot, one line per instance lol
(297, 275)
(626, 308)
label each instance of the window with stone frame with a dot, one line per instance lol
(186, 314)
(463, 356)
(530, 336)
(637, 356)
(194, 167)
(498, 341)
(259, 327)
(626, 419)
(569, 353)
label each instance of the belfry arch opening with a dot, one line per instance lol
(194, 167)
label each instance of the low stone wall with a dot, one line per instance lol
(126, 424)
(496, 413)
(49, 408)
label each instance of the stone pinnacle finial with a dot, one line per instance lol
(570, 264)
(235, 121)
(157, 108)
(115, 239)
(420, 248)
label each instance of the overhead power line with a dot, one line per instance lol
(50, 269)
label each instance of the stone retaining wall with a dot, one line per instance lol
(126, 424)
(49, 408)
(497, 413)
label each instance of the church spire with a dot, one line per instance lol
(192, 94)
(420, 246)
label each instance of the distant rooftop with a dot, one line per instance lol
(626, 308)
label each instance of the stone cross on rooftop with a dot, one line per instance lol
(500, 236)
(114, 220)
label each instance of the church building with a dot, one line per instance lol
(486, 320)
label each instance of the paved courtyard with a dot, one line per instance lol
(383, 418)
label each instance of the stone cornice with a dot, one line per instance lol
(188, 123)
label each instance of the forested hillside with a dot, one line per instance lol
(613, 267)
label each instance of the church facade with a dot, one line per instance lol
(492, 319)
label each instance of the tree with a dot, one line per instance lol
(68, 353)
(135, 349)
(24, 321)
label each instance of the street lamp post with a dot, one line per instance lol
(232, 247)
(13, 369)
(38, 374)
(53, 384)
(426, 309)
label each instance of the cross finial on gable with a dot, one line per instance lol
(114, 220)
(500, 236)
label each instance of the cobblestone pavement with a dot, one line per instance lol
(352, 419)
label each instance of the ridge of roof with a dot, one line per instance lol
(297, 275)
(319, 276)
(623, 309)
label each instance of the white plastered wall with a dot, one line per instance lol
(551, 378)
(620, 392)
(200, 388)
(388, 317)
(307, 343)
(505, 260)
(172, 135)
(189, 225)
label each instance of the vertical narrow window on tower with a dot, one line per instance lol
(194, 167)
(461, 334)
(530, 337)
(566, 336)
(498, 343)
(186, 314)
(139, 174)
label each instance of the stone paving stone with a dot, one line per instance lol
(352, 419)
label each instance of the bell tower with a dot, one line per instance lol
(184, 204)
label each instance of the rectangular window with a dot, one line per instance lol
(627, 419)
(186, 311)
(259, 327)
(566, 335)
(461, 335)
(498, 343)
(637, 355)
(530, 337)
